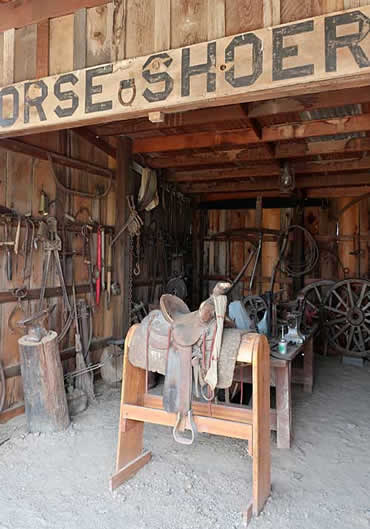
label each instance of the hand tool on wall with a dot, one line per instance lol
(102, 275)
(98, 265)
(20, 294)
(9, 262)
(86, 234)
(52, 246)
(109, 272)
(28, 245)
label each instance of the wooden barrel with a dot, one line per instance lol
(44, 394)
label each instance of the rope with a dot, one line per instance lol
(220, 308)
(311, 254)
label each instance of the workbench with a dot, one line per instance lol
(281, 377)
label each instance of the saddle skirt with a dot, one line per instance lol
(153, 338)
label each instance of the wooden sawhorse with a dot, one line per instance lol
(252, 425)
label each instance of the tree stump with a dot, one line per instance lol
(44, 394)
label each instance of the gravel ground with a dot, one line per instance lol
(61, 480)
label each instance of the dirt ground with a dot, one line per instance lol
(61, 480)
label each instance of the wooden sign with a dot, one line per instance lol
(316, 54)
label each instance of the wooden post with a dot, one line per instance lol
(197, 247)
(130, 437)
(261, 424)
(121, 263)
(283, 405)
(44, 394)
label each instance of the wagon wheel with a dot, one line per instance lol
(346, 313)
(256, 307)
(314, 295)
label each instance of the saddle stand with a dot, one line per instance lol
(252, 425)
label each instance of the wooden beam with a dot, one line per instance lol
(268, 169)
(295, 149)
(198, 140)
(332, 166)
(60, 159)
(124, 187)
(26, 12)
(316, 148)
(124, 90)
(99, 143)
(308, 102)
(337, 192)
(212, 175)
(273, 133)
(272, 182)
(252, 153)
(225, 116)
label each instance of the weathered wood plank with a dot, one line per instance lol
(162, 26)
(42, 49)
(61, 55)
(271, 12)
(79, 39)
(189, 22)
(119, 30)
(139, 27)
(243, 16)
(292, 10)
(216, 19)
(99, 35)
(98, 95)
(26, 12)
(25, 53)
(8, 57)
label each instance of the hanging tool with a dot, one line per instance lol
(98, 266)
(133, 223)
(85, 380)
(109, 272)
(44, 204)
(102, 275)
(86, 233)
(28, 245)
(20, 294)
(9, 263)
(52, 246)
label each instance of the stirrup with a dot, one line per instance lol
(181, 438)
(212, 395)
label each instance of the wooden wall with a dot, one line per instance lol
(223, 259)
(58, 45)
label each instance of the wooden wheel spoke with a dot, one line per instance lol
(350, 337)
(311, 304)
(337, 311)
(341, 331)
(361, 338)
(362, 294)
(338, 320)
(350, 294)
(340, 299)
(318, 294)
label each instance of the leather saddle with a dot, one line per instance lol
(186, 330)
